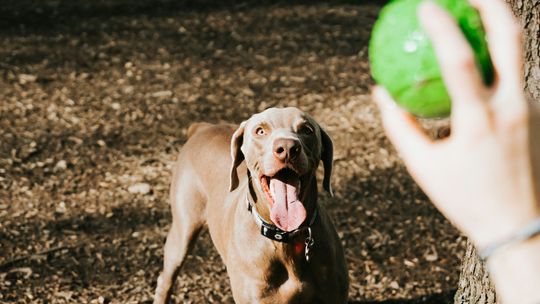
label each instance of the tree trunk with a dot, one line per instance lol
(474, 284)
(528, 14)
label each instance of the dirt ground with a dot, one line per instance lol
(96, 97)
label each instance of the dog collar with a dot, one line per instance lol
(274, 233)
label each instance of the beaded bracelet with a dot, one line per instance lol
(529, 231)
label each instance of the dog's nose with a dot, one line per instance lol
(286, 149)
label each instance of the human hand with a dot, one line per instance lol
(480, 177)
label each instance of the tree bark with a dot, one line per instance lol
(475, 286)
(528, 14)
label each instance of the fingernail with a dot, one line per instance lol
(425, 11)
(427, 5)
(390, 105)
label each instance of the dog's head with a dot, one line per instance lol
(282, 148)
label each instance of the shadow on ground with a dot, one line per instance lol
(445, 297)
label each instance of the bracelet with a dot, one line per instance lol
(528, 232)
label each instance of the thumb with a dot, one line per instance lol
(402, 129)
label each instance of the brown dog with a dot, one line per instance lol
(277, 242)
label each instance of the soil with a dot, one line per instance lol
(96, 98)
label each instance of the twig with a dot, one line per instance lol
(8, 264)
(7, 66)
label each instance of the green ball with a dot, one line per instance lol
(404, 62)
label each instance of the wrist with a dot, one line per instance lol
(504, 226)
(523, 234)
(516, 271)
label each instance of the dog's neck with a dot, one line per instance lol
(294, 244)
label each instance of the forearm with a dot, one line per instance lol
(516, 272)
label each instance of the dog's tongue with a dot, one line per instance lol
(287, 212)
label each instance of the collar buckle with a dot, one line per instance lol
(308, 244)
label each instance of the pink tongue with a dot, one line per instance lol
(288, 213)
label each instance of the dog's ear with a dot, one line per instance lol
(236, 154)
(327, 155)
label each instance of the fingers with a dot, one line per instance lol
(505, 46)
(458, 65)
(402, 129)
(504, 37)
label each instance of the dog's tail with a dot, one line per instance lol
(196, 127)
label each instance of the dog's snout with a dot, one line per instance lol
(286, 149)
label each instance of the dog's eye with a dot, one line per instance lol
(306, 129)
(260, 131)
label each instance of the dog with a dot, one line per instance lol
(277, 242)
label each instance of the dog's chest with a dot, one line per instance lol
(289, 279)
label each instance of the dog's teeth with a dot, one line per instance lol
(272, 193)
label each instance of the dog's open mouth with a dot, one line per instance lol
(282, 190)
